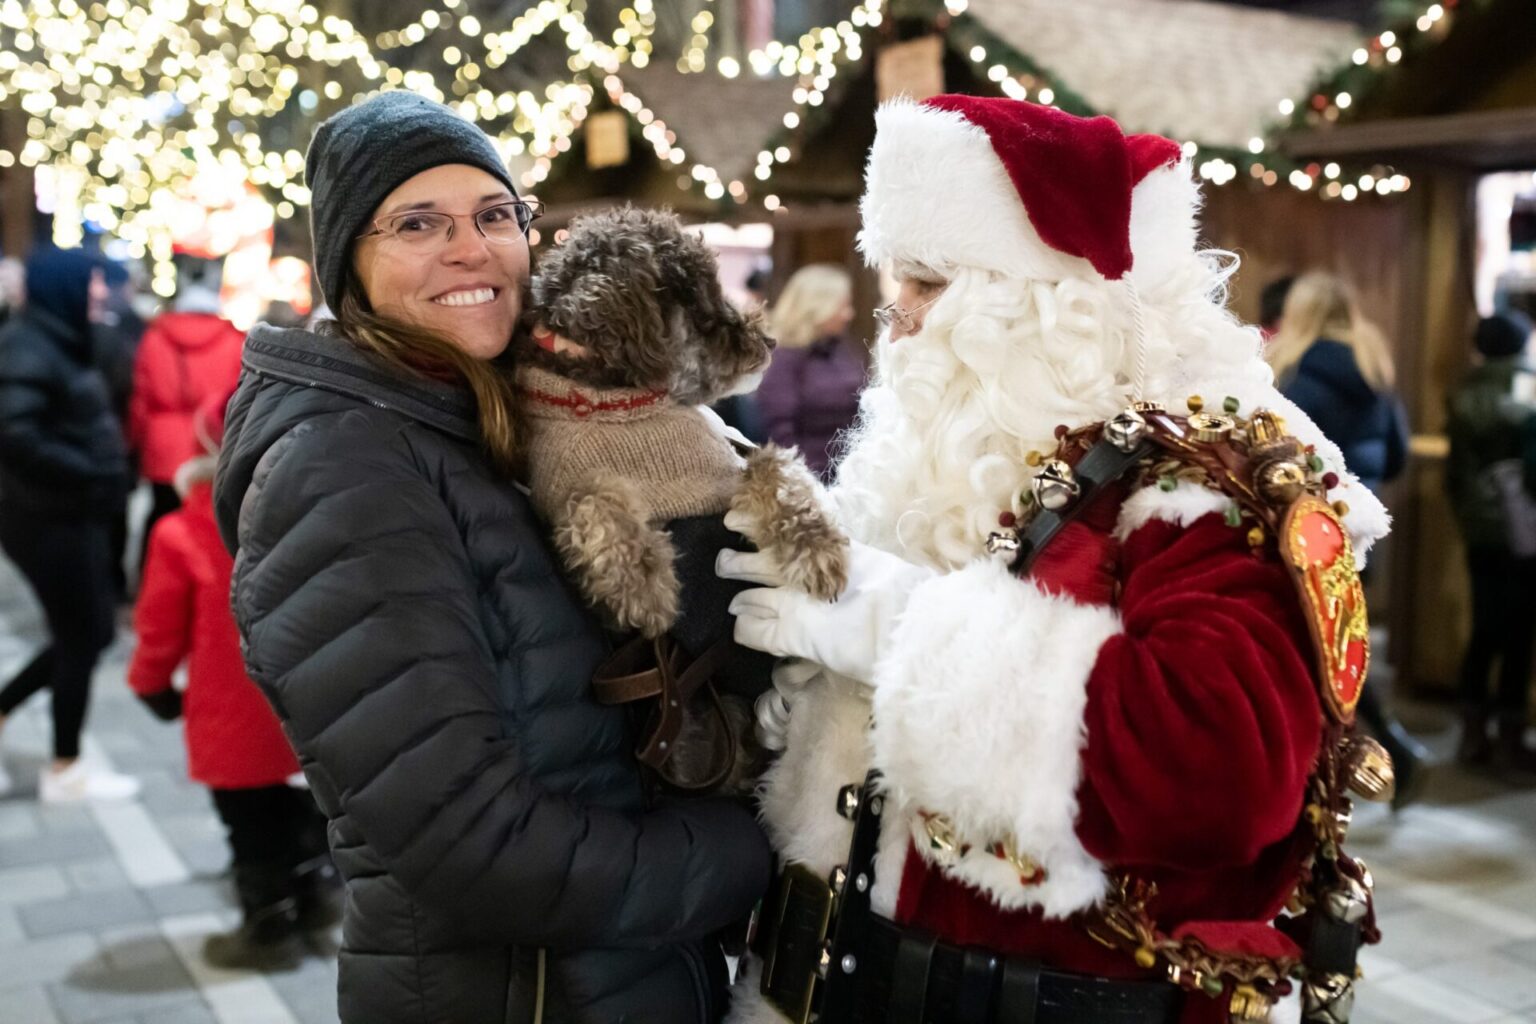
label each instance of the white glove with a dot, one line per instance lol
(774, 705)
(846, 635)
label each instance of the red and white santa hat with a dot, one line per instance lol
(1023, 189)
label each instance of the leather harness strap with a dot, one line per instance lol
(642, 669)
(909, 980)
(1019, 997)
(628, 674)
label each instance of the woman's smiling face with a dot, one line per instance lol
(468, 289)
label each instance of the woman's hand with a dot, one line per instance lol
(846, 635)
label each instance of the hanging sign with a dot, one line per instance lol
(914, 69)
(607, 139)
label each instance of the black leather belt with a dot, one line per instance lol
(910, 978)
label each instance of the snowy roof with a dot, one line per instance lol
(1189, 69)
(720, 122)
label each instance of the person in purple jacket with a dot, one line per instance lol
(811, 392)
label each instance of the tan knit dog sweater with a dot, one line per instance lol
(575, 434)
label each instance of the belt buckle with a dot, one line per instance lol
(800, 925)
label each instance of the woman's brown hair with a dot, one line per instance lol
(415, 349)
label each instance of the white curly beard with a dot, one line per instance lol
(939, 451)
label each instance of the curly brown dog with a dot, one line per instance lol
(629, 338)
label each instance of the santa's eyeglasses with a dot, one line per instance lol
(904, 319)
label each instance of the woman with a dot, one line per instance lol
(63, 471)
(811, 392)
(188, 355)
(1334, 363)
(403, 613)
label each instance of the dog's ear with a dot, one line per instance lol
(603, 288)
(727, 344)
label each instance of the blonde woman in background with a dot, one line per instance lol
(811, 392)
(1335, 364)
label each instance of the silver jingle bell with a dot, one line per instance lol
(1348, 902)
(1055, 487)
(1126, 430)
(1366, 878)
(1003, 544)
(1327, 999)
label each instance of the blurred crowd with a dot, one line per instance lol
(102, 396)
(96, 400)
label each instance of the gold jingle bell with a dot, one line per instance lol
(944, 845)
(1211, 428)
(1369, 770)
(1327, 999)
(1028, 868)
(1281, 482)
(1248, 1005)
(1055, 486)
(1348, 902)
(1126, 430)
(1265, 427)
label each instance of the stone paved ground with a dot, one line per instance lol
(102, 910)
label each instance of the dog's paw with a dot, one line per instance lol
(622, 564)
(650, 604)
(819, 564)
(781, 508)
(771, 474)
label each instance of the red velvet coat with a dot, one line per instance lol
(184, 359)
(1202, 725)
(233, 738)
(1144, 702)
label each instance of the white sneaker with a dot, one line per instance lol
(85, 781)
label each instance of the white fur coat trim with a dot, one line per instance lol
(747, 1003)
(1182, 506)
(979, 716)
(828, 748)
(1368, 520)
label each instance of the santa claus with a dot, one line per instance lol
(1077, 733)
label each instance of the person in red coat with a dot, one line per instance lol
(235, 745)
(1096, 768)
(186, 356)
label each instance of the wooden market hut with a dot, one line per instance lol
(1196, 70)
(1213, 74)
(1450, 111)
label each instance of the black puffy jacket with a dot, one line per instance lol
(401, 610)
(61, 449)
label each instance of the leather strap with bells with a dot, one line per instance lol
(642, 669)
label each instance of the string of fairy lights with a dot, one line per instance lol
(1262, 161)
(127, 102)
(815, 58)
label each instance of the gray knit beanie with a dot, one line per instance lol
(364, 153)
